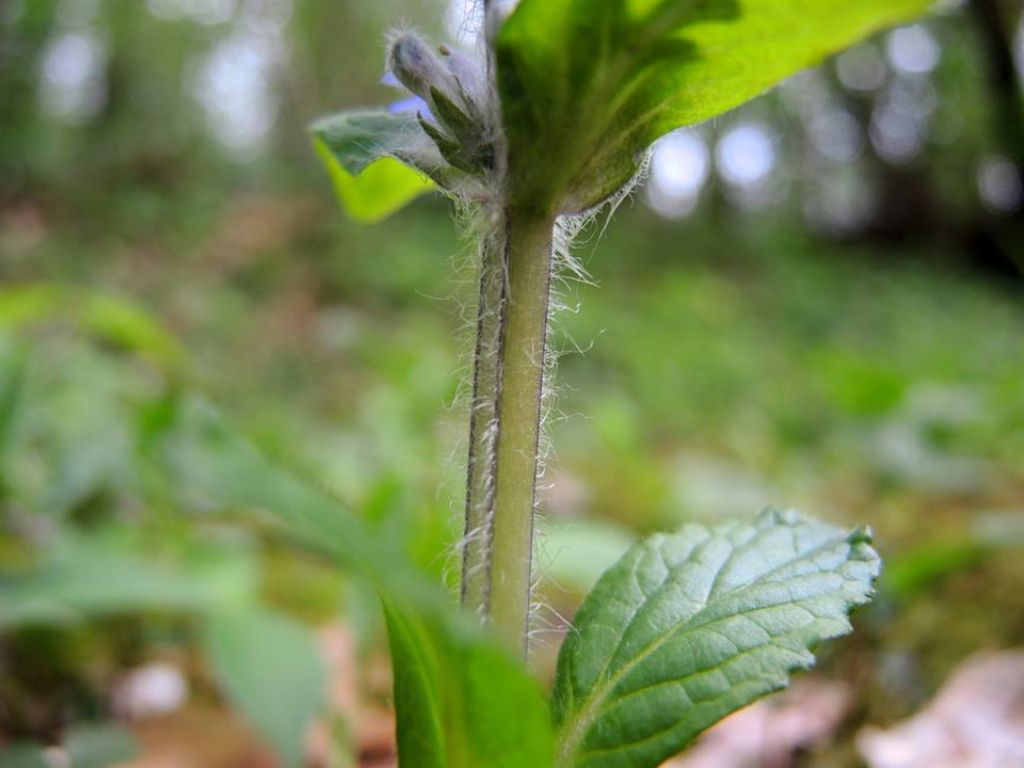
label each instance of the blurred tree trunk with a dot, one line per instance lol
(996, 24)
(23, 35)
(996, 28)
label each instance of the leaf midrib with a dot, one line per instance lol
(581, 724)
(658, 734)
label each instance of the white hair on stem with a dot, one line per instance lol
(480, 214)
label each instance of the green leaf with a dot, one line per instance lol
(361, 151)
(131, 327)
(456, 696)
(13, 366)
(87, 578)
(90, 746)
(691, 626)
(462, 700)
(115, 320)
(270, 667)
(23, 756)
(28, 303)
(417, 690)
(587, 85)
(100, 746)
(358, 139)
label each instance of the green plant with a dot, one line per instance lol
(549, 123)
(96, 422)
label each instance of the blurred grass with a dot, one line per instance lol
(719, 373)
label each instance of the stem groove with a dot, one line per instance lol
(508, 384)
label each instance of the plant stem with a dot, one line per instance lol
(508, 380)
(482, 425)
(520, 371)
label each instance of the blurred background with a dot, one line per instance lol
(816, 301)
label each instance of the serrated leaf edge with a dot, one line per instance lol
(572, 734)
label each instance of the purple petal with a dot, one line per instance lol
(411, 104)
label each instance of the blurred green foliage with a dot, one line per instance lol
(722, 361)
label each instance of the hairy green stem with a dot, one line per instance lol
(504, 430)
(482, 426)
(521, 353)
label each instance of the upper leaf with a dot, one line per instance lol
(587, 85)
(378, 161)
(359, 138)
(689, 627)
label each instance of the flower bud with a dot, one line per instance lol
(418, 68)
(451, 85)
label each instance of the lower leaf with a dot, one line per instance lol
(270, 668)
(689, 627)
(461, 700)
